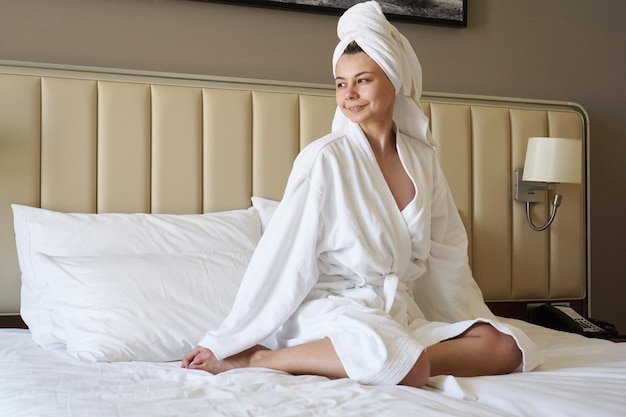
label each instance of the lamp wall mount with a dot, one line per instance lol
(530, 191)
(535, 192)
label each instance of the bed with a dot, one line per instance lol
(130, 203)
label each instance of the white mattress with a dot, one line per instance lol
(581, 377)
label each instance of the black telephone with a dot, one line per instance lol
(560, 317)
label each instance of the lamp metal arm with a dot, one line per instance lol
(555, 205)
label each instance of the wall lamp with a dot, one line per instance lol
(549, 161)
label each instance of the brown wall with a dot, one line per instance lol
(549, 49)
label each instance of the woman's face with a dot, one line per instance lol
(363, 91)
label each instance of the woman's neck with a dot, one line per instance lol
(382, 139)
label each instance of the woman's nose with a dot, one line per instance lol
(351, 93)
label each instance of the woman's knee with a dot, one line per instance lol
(511, 353)
(419, 374)
(502, 348)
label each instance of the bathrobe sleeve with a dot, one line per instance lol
(448, 292)
(282, 271)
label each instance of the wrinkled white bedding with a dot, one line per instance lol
(581, 377)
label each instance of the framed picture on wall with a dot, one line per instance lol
(439, 12)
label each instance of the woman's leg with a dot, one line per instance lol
(313, 358)
(481, 350)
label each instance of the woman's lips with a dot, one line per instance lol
(356, 108)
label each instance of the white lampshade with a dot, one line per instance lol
(554, 160)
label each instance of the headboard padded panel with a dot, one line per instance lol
(105, 141)
(481, 145)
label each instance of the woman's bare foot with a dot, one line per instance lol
(202, 358)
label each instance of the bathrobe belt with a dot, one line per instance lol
(389, 284)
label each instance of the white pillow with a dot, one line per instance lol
(266, 209)
(79, 234)
(152, 307)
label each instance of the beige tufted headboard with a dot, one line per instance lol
(101, 140)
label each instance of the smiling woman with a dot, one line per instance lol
(362, 279)
(441, 12)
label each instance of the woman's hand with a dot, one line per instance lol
(197, 358)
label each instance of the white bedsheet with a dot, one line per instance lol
(581, 377)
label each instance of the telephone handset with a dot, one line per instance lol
(565, 318)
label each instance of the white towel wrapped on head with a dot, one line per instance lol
(366, 24)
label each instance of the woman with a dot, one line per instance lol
(362, 272)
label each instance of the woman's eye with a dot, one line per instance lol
(362, 81)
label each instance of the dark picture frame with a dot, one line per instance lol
(437, 12)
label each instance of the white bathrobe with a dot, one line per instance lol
(340, 260)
